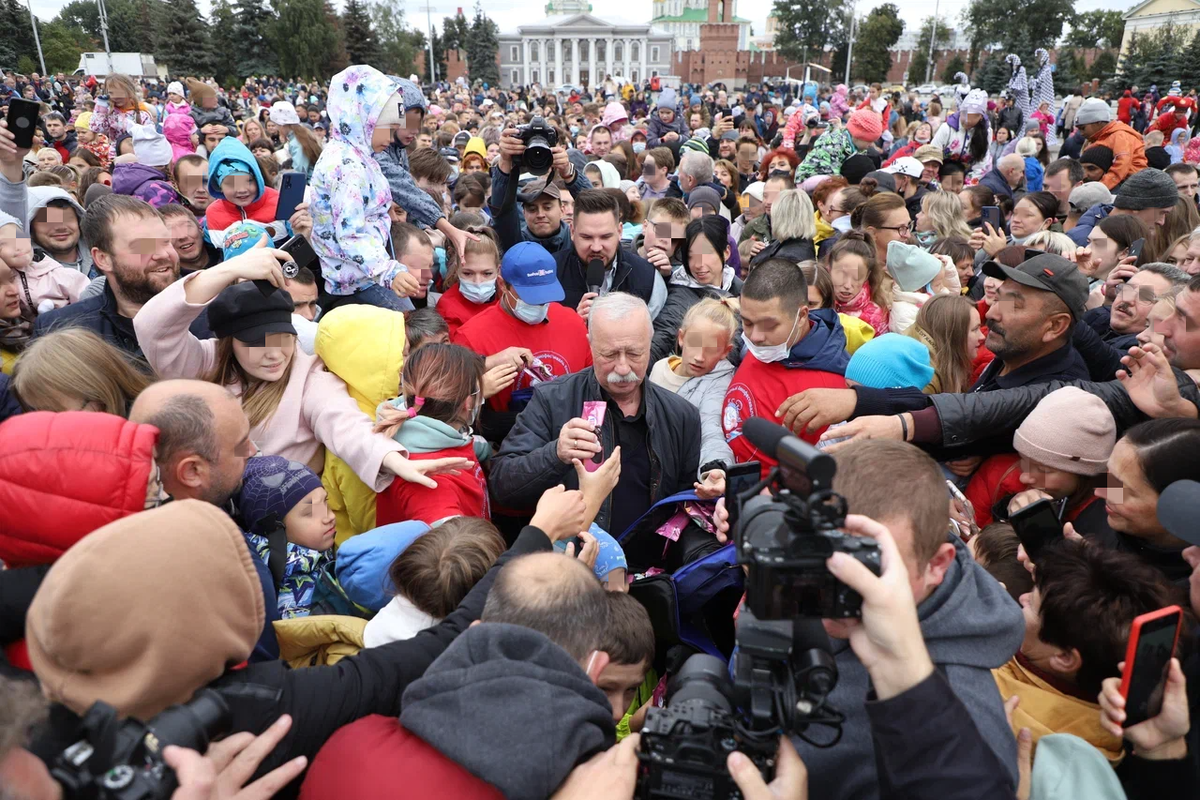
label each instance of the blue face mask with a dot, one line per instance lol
(639, 147)
(926, 238)
(478, 293)
(574, 130)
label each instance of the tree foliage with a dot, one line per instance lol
(920, 60)
(1097, 29)
(992, 75)
(1158, 57)
(806, 26)
(400, 46)
(1016, 26)
(224, 46)
(17, 41)
(253, 21)
(61, 46)
(953, 66)
(362, 44)
(483, 45)
(305, 38)
(184, 44)
(878, 31)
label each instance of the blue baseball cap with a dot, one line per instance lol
(530, 270)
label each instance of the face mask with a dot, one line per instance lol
(639, 147)
(574, 130)
(926, 238)
(769, 354)
(530, 315)
(922, 138)
(478, 293)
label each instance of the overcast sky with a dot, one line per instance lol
(511, 13)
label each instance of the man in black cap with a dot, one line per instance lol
(1096, 161)
(1149, 195)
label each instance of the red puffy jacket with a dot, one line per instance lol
(64, 475)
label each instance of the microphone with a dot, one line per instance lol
(595, 275)
(791, 451)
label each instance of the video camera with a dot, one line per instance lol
(122, 759)
(539, 138)
(782, 670)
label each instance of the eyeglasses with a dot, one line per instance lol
(900, 229)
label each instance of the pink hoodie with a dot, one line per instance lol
(49, 281)
(178, 128)
(315, 409)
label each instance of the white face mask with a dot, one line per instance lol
(529, 314)
(478, 293)
(770, 353)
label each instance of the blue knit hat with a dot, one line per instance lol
(271, 487)
(891, 361)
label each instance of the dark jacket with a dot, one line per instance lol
(1090, 219)
(528, 463)
(680, 298)
(322, 699)
(509, 221)
(913, 204)
(796, 250)
(996, 182)
(9, 405)
(100, 316)
(634, 275)
(1100, 346)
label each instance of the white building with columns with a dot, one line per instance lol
(576, 49)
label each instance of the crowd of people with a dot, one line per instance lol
(398, 465)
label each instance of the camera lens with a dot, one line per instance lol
(193, 724)
(537, 158)
(702, 678)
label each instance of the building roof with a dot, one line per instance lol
(558, 21)
(1144, 9)
(694, 15)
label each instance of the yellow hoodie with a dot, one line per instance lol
(475, 145)
(857, 332)
(364, 346)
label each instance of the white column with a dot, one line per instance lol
(645, 48)
(525, 60)
(608, 56)
(627, 55)
(574, 61)
(558, 63)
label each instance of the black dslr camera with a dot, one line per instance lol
(685, 745)
(539, 138)
(122, 759)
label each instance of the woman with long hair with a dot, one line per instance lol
(1181, 221)
(294, 404)
(302, 145)
(950, 326)
(441, 392)
(73, 369)
(885, 217)
(941, 216)
(252, 130)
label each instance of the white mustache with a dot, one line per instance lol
(613, 377)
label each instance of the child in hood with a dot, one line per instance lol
(95, 143)
(175, 102)
(285, 497)
(237, 187)
(665, 120)
(44, 283)
(180, 130)
(146, 178)
(206, 110)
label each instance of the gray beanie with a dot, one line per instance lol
(1149, 188)
(1093, 110)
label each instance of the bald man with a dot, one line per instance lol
(1008, 174)
(204, 438)
(480, 721)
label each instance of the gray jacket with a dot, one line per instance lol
(23, 203)
(707, 394)
(422, 211)
(971, 626)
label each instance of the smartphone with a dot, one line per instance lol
(291, 194)
(1037, 525)
(739, 479)
(992, 216)
(22, 120)
(1135, 250)
(300, 251)
(1152, 641)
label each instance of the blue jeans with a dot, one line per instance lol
(370, 296)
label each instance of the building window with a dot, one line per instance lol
(550, 53)
(618, 52)
(636, 51)
(516, 54)
(634, 76)
(533, 53)
(583, 50)
(550, 77)
(533, 78)
(689, 47)
(654, 53)
(516, 77)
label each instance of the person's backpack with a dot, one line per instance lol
(692, 601)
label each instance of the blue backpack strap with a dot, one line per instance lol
(678, 497)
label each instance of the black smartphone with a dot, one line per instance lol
(739, 479)
(992, 216)
(1152, 641)
(1037, 525)
(291, 194)
(1135, 250)
(300, 251)
(22, 120)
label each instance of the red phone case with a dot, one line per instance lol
(1135, 633)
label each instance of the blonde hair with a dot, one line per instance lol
(56, 154)
(792, 216)
(260, 398)
(126, 83)
(1052, 242)
(945, 211)
(486, 246)
(723, 313)
(74, 362)
(943, 325)
(1027, 146)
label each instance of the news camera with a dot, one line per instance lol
(539, 138)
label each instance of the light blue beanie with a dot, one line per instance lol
(911, 266)
(891, 361)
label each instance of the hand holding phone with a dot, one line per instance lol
(1153, 638)
(739, 479)
(22, 121)
(1037, 525)
(992, 216)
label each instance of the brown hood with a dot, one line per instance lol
(146, 610)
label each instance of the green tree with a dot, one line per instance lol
(919, 66)
(992, 76)
(131, 23)
(400, 46)
(1097, 29)
(1150, 58)
(184, 43)
(362, 45)
(878, 31)
(61, 45)
(1018, 26)
(224, 45)
(304, 38)
(1189, 63)
(17, 41)
(808, 25)
(252, 21)
(340, 58)
(483, 45)
(953, 66)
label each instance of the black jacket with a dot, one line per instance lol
(508, 218)
(322, 699)
(100, 316)
(528, 463)
(634, 275)
(679, 300)
(796, 250)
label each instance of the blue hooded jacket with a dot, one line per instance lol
(824, 348)
(227, 151)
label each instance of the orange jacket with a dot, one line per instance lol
(1129, 153)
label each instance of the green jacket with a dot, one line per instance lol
(827, 155)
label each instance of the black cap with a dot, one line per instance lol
(246, 313)
(1050, 273)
